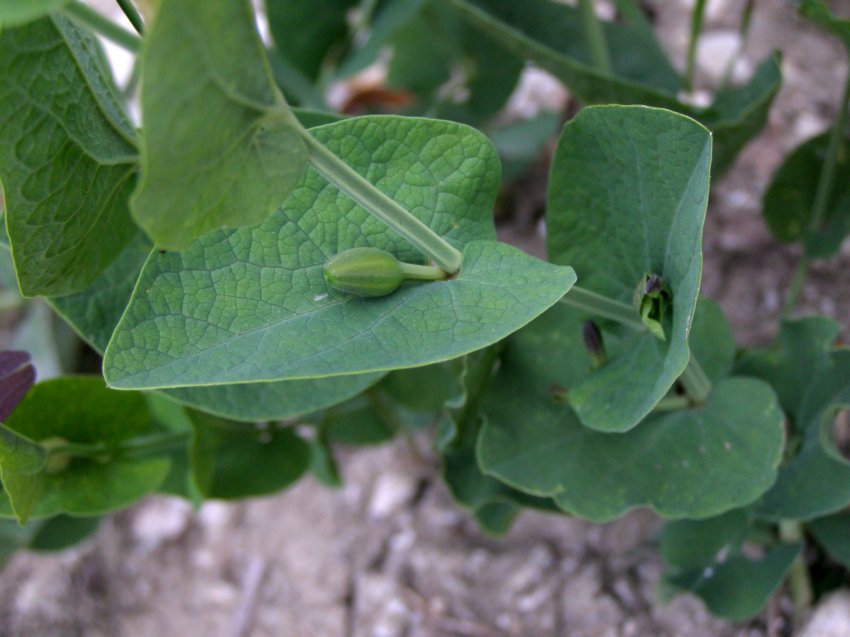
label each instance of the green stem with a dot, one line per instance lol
(422, 272)
(827, 173)
(602, 306)
(796, 286)
(673, 403)
(132, 15)
(696, 28)
(798, 575)
(595, 37)
(88, 17)
(697, 385)
(381, 206)
(132, 448)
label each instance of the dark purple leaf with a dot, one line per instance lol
(17, 376)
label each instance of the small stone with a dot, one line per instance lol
(160, 520)
(715, 51)
(392, 491)
(831, 618)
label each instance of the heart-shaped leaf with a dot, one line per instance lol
(719, 456)
(95, 312)
(252, 305)
(627, 196)
(221, 149)
(67, 159)
(80, 410)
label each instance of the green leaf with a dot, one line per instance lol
(788, 201)
(95, 312)
(67, 160)
(221, 149)
(711, 340)
(819, 13)
(80, 410)
(813, 383)
(740, 587)
(17, 12)
(833, 534)
(551, 35)
(252, 305)
(719, 456)
(235, 460)
(354, 422)
(627, 196)
(19, 454)
(641, 74)
(687, 545)
(61, 532)
(307, 33)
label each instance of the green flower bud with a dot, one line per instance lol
(367, 272)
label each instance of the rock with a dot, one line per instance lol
(392, 491)
(831, 618)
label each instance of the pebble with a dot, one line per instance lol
(831, 617)
(392, 491)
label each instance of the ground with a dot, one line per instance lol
(389, 554)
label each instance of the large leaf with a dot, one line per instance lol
(235, 460)
(221, 149)
(627, 196)
(790, 197)
(545, 33)
(252, 305)
(813, 382)
(79, 409)
(95, 312)
(67, 159)
(719, 456)
(17, 12)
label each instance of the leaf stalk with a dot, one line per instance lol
(97, 22)
(603, 306)
(341, 175)
(595, 37)
(697, 385)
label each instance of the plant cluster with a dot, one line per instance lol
(265, 281)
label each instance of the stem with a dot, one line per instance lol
(341, 175)
(599, 305)
(696, 27)
(697, 385)
(827, 173)
(673, 403)
(796, 286)
(132, 448)
(422, 272)
(798, 575)
(88, 17)
(595, 37)
(132, 15)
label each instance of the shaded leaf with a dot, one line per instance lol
(627, 196)
(788, 201)
(833, 534)
(642, 76)
(67, 159)
(221, 149)
(736, 587)
(252, 305)
(819, 13)
(236, 460)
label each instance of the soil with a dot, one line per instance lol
(389, 554)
